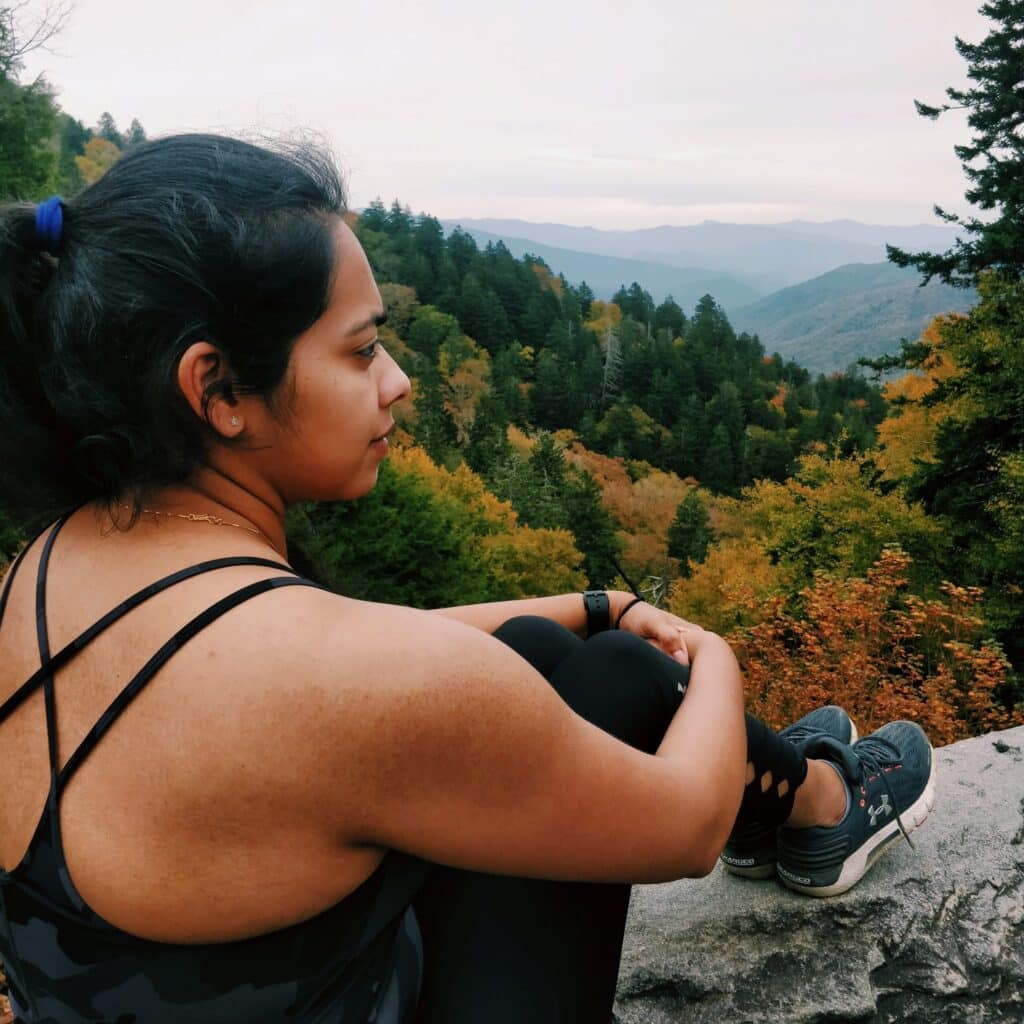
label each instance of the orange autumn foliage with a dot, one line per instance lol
(879, 652)
(778, 400)
(645, 508)
(547, 279)
(604, 317)
(907, 436)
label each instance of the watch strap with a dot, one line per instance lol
(598, 609)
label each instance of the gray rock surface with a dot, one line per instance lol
(932, 934)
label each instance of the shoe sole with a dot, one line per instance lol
(758, 871)
(856, 865)
(766, 869)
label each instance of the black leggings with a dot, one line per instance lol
(506, 950)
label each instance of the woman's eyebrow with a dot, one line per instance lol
(377, 317)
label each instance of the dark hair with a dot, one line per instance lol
(186, 238)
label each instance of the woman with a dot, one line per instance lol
(227, 804)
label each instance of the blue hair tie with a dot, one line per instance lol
(50, 225)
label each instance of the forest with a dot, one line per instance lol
(857, 542)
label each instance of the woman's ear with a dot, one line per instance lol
(206, 382)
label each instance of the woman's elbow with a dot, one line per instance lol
(708, 838)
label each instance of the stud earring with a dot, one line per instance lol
(234, 421)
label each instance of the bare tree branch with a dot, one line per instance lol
(25, 26)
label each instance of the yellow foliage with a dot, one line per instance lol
(604, 317)
(533, 563)
(523, 561)
(908, 435)
(461, 391)
(99, 156)
(521, 443)
(547, 279)
(645, 508)
(730, 588)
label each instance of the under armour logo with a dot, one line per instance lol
(876, 811)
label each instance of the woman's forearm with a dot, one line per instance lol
(566, 609)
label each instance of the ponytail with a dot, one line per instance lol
(28, 422)
(187, 238)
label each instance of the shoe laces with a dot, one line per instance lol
(875, 754)
(797, 734)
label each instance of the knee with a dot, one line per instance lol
(618, 645)
(540, 641)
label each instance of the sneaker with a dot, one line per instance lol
(750, 849)
(891, 788)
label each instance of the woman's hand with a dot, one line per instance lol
(671, 634)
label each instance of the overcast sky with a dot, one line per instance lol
(625, 115)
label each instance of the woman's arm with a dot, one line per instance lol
(566, 609)
(661, 628)
(440, 741)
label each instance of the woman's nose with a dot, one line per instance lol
(394, 383)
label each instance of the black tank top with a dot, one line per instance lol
(358, 961)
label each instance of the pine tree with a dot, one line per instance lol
(594, 529)
(995, 105)
(690, 533)
(106, 128)
(136, 133)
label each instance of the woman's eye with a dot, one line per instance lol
(370, 351)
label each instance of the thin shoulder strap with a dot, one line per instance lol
(155, 663)
(43, 637)
(66, 653)
(8, 583)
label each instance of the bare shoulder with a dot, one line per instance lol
(393, 728)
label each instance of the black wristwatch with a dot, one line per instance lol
(598, 609)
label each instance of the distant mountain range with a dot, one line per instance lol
(605, 274)
(863, 309)
(821, 294)
(764, 256)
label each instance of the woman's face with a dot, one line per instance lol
(340, 387)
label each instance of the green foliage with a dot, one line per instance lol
(73, 138)
(28, 120)
(829, 517)
(993, 161)
(547, 493)
(427, 537)
(973, 486)
(106, 128)
(12, 537)
(690, 533)
(401, 544)
(641, 381)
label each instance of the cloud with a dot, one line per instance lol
(577, 111)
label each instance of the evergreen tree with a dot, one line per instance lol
(993, 160)
(28, 119)
(550, 398)
(488, 436)
(719, 463)
(594, 529)
(106, 128)
(73, 138)
(690, 534)
(586, 298)
(434, 430)
(690, 438)
(670, 317)
(136, 133)
(543, 507)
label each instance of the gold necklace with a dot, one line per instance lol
(203, 517)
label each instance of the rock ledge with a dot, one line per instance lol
(933, 934)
